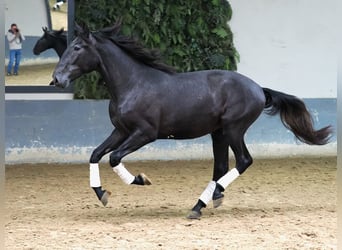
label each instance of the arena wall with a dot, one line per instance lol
(68, 131)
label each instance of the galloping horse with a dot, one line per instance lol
(150, 101)
(51, 39)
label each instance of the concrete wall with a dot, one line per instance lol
(29, 15)
(288, 45)
(68, 131)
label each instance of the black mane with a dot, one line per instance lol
(134, 48)
(56, 33)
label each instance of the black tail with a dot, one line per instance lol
(295, 117)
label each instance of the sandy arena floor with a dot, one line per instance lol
(276, 204)
(32, 75)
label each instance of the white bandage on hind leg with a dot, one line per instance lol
(228, 178)
(207, 194)
(123, 173)
(94, 175)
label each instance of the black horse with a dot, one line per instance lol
(150, 101)
(51, 39)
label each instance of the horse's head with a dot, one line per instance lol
(47, 40)
(43, 43)
(80, 57)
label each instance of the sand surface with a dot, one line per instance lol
(275, 204)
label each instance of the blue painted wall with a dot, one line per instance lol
(27, 51)
(68, 131)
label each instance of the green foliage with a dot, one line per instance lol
(90, 87)
(191, 34)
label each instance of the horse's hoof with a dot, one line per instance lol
(104, 198)
(146, 180)
(194, 215)
(218, 202)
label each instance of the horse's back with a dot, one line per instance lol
(229, 85)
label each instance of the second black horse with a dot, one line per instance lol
(51, 39)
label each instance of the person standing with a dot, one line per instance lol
(15, 40)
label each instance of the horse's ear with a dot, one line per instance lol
(78, 29)
(60, 31)
(45, 29)
(118, 21)
(114, 29)
(117, 25)
(82, 30)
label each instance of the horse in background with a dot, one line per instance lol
(51, 39)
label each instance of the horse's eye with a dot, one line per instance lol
(77, 47)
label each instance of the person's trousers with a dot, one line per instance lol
(14, 58)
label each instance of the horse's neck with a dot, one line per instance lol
(117, 69)
(60, 46)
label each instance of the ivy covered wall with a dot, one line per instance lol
(191, 35)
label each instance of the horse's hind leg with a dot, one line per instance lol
(220, 150)
(243, 161)
(132, 143)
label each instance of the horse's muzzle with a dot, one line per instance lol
(58, 82)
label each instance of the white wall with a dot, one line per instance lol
(29, 15)
(288, 45)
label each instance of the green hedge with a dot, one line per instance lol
(191, 35)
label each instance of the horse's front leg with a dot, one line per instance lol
(94, 173)
(112, 142)
(221, 165)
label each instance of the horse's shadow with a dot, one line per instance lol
(127, 214)
(122, 215)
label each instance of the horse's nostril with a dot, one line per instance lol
(55, 81)
(59, 82)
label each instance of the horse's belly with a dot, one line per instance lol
(188, 128)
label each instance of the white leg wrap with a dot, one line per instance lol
(94, 175)
(207, 194)
(228, 178)
(123, 173)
